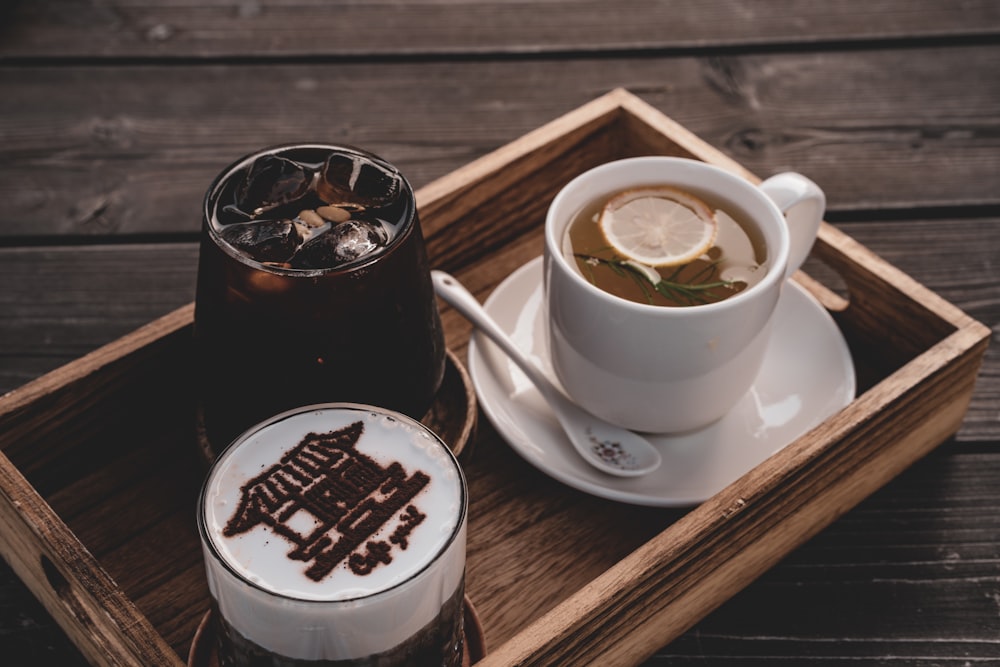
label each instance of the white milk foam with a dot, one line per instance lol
(383, 581)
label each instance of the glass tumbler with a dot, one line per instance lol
(313, 286)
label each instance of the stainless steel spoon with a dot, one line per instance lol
(607, 447)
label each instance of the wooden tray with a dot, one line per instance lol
(100, 472)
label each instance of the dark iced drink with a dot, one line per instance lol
(313, 286)
(335, 535)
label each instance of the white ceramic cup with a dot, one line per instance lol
(671, 369)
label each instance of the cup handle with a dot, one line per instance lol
(804, 204)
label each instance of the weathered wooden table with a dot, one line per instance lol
(115, 116)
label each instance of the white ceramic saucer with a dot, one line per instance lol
(807, 376)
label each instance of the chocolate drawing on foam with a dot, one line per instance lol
(342, 496)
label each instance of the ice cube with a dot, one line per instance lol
(357, 182)
(341, 244)
(264, 240)
(272, 181)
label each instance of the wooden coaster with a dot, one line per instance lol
(452, 415)
(203, 651)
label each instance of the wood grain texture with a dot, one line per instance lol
(809, 603)
(290, 28)
(115, 115)
(74, 585)
(124, 154)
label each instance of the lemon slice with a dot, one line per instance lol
(658, 225)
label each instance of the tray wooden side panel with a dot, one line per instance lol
(891, 316)
(509, 189)
(681, 575)
(72, 404)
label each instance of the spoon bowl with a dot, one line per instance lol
(609, 448)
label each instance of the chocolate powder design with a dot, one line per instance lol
(346, 497)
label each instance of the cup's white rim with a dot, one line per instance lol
(215, 550)
(776, 263)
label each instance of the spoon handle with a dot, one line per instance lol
(606, 447)
(462, 300)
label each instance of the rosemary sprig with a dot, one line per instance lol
(669, 288)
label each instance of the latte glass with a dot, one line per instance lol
(313, 286)
(336, 533)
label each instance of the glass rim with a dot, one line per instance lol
(774, 271)
(406, 227)
(209, 544)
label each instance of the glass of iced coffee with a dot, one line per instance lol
(335, 534)
(313, 286)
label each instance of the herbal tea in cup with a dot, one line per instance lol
(664, 246)
(661, 276)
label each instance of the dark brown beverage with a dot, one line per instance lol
(313, 286)
(734, 261)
